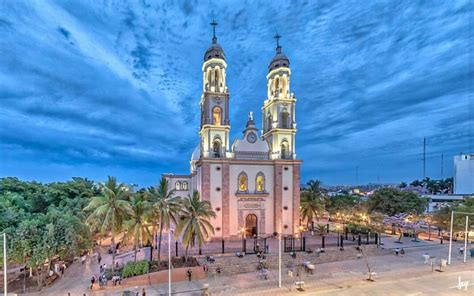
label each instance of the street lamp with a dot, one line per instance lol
(5, 282)
(169, 260)
(279, 259)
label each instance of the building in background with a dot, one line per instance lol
(253, 185)
(464, 174)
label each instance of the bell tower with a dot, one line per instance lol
(278, 111)
(214, 103)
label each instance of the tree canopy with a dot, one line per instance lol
(391, 201)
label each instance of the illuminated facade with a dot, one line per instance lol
(255, 183)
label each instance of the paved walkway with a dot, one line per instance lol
(343, 278)
(335, 275)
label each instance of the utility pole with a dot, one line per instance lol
(357, 175)
(5, 282)
(442, 165)
(424, 158)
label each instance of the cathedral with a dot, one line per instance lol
(252, 184)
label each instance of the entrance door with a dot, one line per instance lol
(251, 225)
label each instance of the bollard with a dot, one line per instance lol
(322, 241)
(359, 241)
(176, 248)
(342, 242)
(223, 247)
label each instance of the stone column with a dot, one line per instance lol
(206, 181)
(225, 200)
(296, 197)
(278, 198)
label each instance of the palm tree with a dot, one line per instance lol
(110, 209)
(194, 222)
(312, 202)
(165, 207)
(137, 226)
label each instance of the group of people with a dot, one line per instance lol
(100, 280)
(399, 251)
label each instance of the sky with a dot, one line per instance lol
(98, 88)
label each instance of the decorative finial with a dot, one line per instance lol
(250, 115)
(278, 48)
(214, 24)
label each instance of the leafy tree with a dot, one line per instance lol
(166, 207)
(442, 218)
(195, 222)
(110, 209)
(347, 204)
(391, 201)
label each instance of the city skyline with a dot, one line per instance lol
(94, 90)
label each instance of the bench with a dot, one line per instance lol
(299, 285)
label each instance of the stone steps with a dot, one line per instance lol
(230, 264)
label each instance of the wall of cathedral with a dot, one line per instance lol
(215, 190)
(260, 205)
(287, 198)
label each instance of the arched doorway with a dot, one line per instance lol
(251, 225)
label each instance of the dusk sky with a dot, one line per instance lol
(97, 88)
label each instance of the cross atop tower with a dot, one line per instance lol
(214, 24)
(277, 37)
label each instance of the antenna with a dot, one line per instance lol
(442, 165)
(424, 158)
(357, 175)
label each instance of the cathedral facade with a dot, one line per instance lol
(253, 184)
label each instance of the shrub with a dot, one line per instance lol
(135, 268)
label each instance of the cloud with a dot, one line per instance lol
(114, 88)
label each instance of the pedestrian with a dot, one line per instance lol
(402, 252)
(190, 273)
(143, 292)
(99, 258)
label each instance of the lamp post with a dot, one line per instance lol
(169, 260)
(5, 289)
(279, 259)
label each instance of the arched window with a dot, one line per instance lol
(269, 121)
(177, 185)
(260, 182)
(216, 148)
(216, 80)
(285, 119)
(284, 150)
(216, 115)
(184, 185)
(243, 182)
(277, 86)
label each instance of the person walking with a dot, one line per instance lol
(190, 273)
(143, 292)
(99, 258)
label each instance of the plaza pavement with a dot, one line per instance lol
(396, 274)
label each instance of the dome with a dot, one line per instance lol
(279, 60)
(215, 51)
(196, 153)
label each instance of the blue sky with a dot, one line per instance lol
(97, 88)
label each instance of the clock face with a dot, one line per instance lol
(252, 137)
